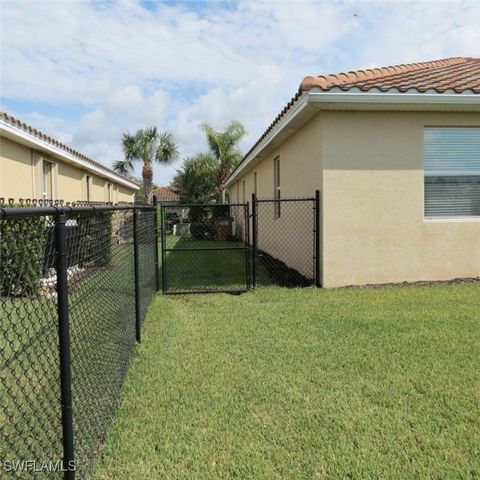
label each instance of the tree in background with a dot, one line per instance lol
(223, 146)
(147, 146)
(201, 178)
(196, 180)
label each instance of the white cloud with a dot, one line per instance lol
(175, 67)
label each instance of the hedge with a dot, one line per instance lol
(27, 249)
(22, 252)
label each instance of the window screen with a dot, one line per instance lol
(452, 172)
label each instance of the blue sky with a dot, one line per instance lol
(87, 71)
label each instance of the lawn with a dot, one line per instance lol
(282, 383)
(207, 269)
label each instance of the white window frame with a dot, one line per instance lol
(88, 181)
(109, 192)
(276, 188)
(47, 178)
(447, 173)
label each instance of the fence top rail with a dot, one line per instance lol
(15, 212)
(203, 205)
(277, 200)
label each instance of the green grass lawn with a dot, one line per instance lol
(208, 269)
(277, 383)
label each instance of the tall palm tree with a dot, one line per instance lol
(147, 146)
(224, 147)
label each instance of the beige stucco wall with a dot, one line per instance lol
(15, 170)
(288, 238)
(373, 223)
(21, 176)
(369, 168)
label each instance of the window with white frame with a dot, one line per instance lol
(243, 192)
(109, 192)
(47, 180)
(276, 187)
(255, 183)
(87, 186)
(452, 172)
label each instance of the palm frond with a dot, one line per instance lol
(167, 149)
(123, 167)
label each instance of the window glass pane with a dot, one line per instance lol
(452, 150)
(452, 196)
(452, 172)
(47, 180)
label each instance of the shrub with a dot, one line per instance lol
(27, 248)
(23, 243)
(91, 244)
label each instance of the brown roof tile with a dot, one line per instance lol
(458, 74)
(165, 194)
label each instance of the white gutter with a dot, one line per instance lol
(59, 152)
(321, 100)
(386, 98)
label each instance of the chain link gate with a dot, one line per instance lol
(286, 241)
(205, 248)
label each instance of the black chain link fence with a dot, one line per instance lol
(205, 248)
(100, 270)
(285, 241)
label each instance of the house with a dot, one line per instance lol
(33, 165)
(164, 195)
(395, 153)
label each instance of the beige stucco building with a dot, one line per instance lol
(36, 166)
(395, 153)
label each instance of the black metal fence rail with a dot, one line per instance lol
(75, 283)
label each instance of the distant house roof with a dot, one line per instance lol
(11, 127)
(165, 194)
(435, 81)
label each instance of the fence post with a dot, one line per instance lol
(137, 275)
(164, 246)
(254, 240)
(157, 265)
(64, 345)
(317, 238)
(246, 239)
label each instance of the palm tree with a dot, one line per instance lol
(196, 180)
(223, 146)
(147, 146)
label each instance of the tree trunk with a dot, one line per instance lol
(221, 178)
(147, 175)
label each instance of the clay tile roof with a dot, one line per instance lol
(449, 75)
(458, 74)
(48, 139)
(165, 194)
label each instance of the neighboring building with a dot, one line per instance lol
(395, 152)
(36, 166)
(165, 195)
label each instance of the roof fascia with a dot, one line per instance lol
(317, 100)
